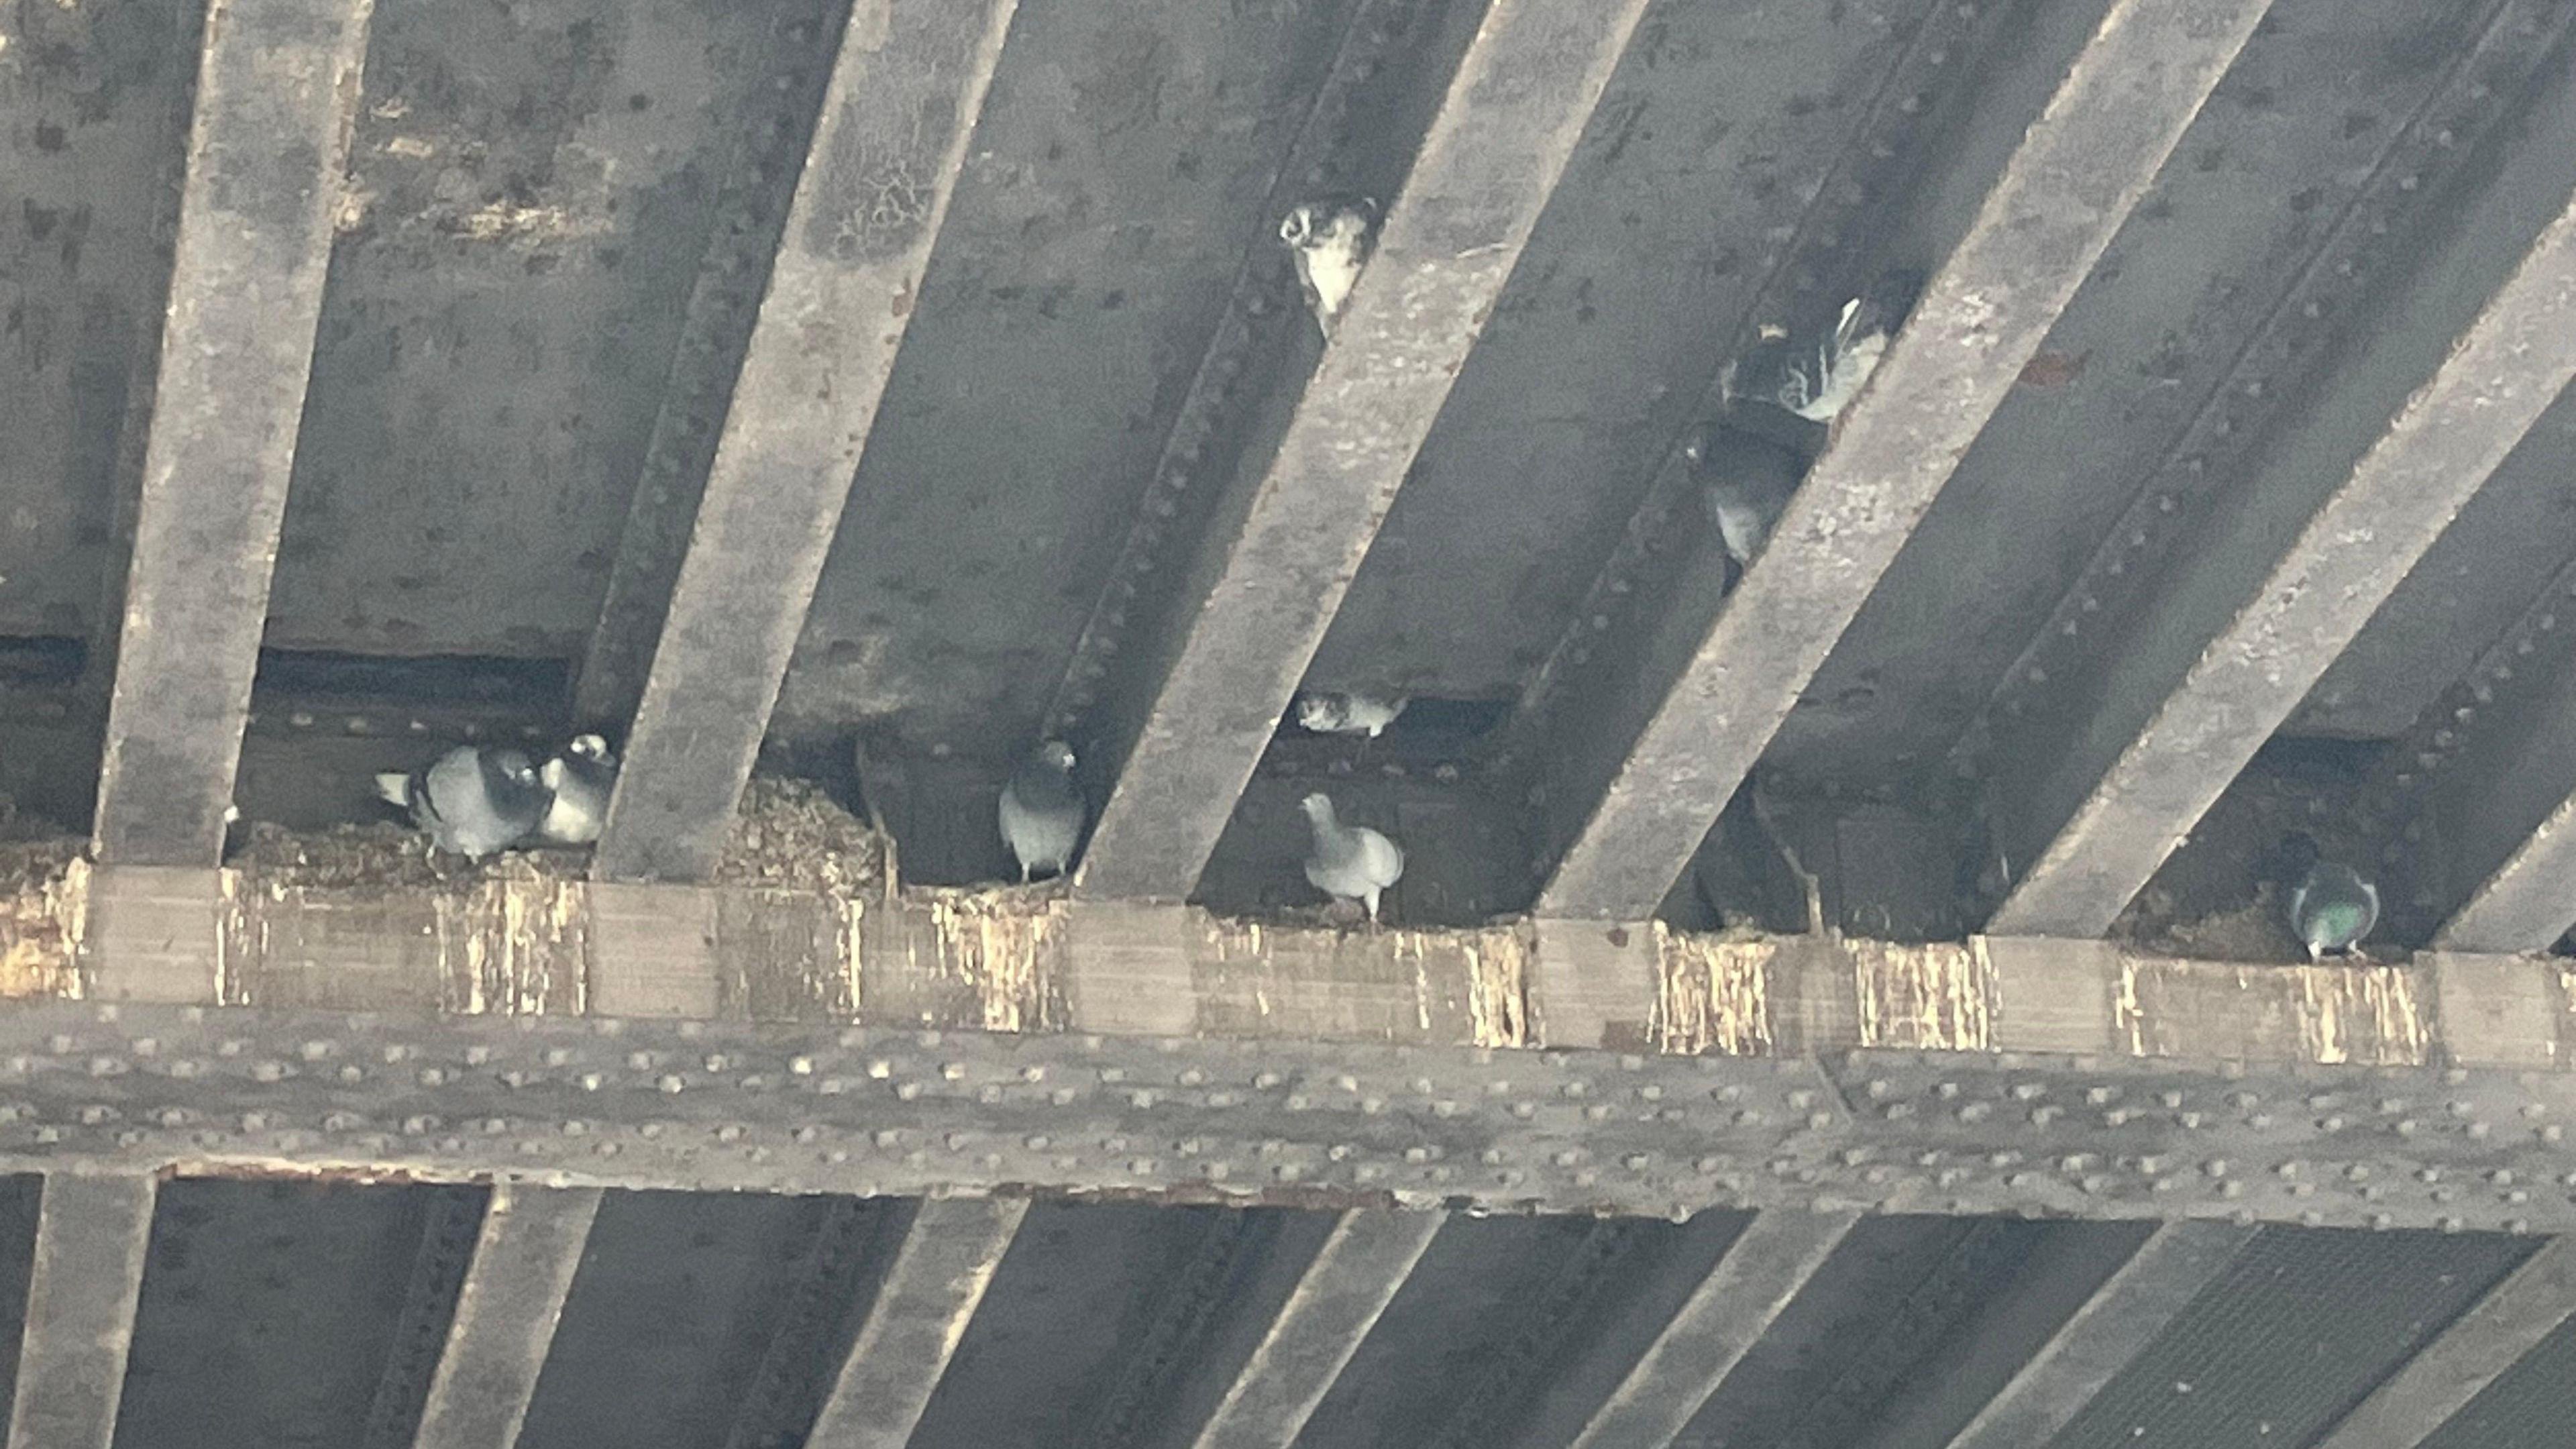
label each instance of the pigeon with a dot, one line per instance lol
(1331, 241)
(2331, 906)
(1745, 481)
(1816, 377)
(471, 800)
(1042, 811)
(1347, 714)
(579, 778)
(1350, 862)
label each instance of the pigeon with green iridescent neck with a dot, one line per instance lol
(2331, 905)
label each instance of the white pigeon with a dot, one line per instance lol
(1331, 241)
(1347, 714)
(1350, 862)
(1816, 377)
(580, 779)
(1042, 811)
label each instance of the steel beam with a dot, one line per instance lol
(2505, 807)
(2438, 450)
(2472, 1353)
(1488, 162)
(731, 1106)
(905, 94)
(2084, 164)
(930, 1294)
(92, 1235)
(1733, 1307)
(2106, 1335)
(276, 100)
(524, 1263)
(1356, 1275)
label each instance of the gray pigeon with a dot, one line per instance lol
(1745, 481)
(579, 778)
(1042, 811)
(2331, 906)
(471, 800)
(1347, 714)
(1816, 376)
(1331, 241)
(1350, 862)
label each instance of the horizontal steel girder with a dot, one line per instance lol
(728, 1106)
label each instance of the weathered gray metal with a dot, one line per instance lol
(901, 110)
(730, 1106)
(2441, 447)
(1357, 1273)
(2472, 1353)
(277, 93)
(918, 1318)
(1487, 166)
(91, 1237)
(2128, 1314)
(1733, 1307)
(2084, 164)
(524, 1261)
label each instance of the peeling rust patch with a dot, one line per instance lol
(1713, 994)
(2366, 1015)
(1939, 996)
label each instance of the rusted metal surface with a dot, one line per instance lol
(918, 1318)
(277, 94)
(2472, 1353)
(88, 1276)
(2078, 172)
(900, 113)
(2439, 449)
(1362, 1266)
(1730, 1311)
(2129, 1312)
(1488, 162)
(530, 1247)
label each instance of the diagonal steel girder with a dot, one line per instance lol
(2441, 447)
(2092, 154)
(904, 98)
(276, 101)
(1488, 163)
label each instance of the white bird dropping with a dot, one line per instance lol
(1350, 862)
(1042, 811)
(1331, 242)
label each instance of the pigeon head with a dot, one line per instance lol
(588, 747)
(1311, 225)
(1318, 808)
(1319, 712)
(1057, 755)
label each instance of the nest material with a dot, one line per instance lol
(790, 835)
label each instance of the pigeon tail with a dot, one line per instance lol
(394, 787)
